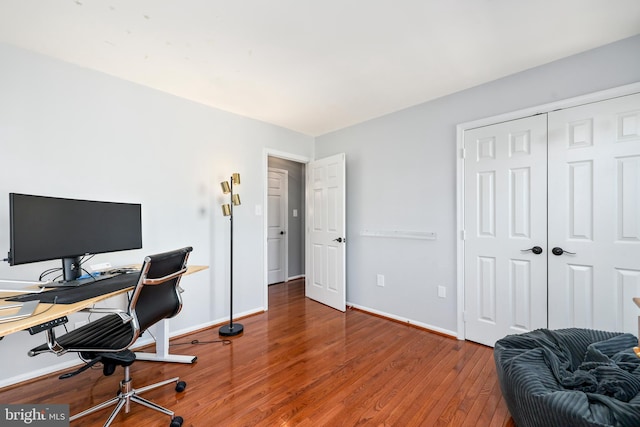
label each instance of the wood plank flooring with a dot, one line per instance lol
(301, 364)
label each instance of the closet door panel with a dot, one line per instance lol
(505, 215)
(594, 214)
(627, 287)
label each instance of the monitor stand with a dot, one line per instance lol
(71, 268)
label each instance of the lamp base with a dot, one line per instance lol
(231, 330)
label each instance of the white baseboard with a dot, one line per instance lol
(149, 340)
(40, 372)
(404, 320)
(220, 322)
(146, 340)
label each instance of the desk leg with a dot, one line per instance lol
(162, 348)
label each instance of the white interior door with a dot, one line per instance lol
(326, 232)
(277, 225)
(594, 215)
(505, 208)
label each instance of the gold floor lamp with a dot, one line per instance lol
(227, 210)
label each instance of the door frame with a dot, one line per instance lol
(268, 152)
(460, 130)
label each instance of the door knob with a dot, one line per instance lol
(339, 240)
(536, 250)
(282, 232)
(559, 251)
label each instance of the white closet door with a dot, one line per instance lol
(505, 184)
(594, 212)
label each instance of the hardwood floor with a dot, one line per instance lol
(301, 364)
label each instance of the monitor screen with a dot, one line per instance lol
(45, 228)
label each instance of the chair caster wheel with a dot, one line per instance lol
(108, 369)
(180, 386)
(176, 422)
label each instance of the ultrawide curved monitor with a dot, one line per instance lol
(44, 228)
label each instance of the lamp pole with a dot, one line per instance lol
(231, 329)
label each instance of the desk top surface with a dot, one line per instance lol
(47, 312)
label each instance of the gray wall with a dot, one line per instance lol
(296, 201)
(72, 132)
(401, 175)
(129, 140)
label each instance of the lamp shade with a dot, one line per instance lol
(225, 187)
(226, 209)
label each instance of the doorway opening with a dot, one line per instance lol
(285, 212)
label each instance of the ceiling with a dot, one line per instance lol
(313, 66)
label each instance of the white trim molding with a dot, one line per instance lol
(403, 320)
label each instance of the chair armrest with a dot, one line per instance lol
(165, 278)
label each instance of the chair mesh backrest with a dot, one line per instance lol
(157, 302)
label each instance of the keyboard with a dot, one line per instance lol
(91, 289)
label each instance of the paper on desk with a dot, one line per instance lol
(5, 286)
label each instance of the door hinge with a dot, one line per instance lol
(463, 153)
(464, 316)
(463, 234)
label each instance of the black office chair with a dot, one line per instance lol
(156, 296)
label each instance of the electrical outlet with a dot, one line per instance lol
(380, 280)
(442, 292)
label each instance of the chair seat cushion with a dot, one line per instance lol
(107, 333)
(570, 377)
